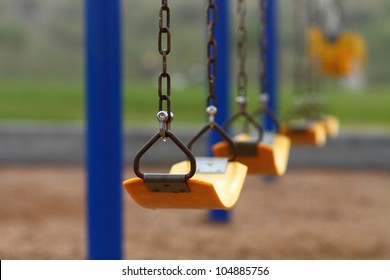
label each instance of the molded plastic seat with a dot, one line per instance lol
(270, 159)
(306, 133)
(207, 190)
(332, 126)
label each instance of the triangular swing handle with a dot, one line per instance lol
(219, 129)
(249, 119)
(270, 114)
(178, 143)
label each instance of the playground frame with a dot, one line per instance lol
(104, 115)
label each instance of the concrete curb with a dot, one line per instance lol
(64, 144)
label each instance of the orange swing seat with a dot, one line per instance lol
(199, 183)
(305, 133)
(266, 157)
(219, 190)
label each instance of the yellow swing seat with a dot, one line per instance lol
(198, 183)
(305, 133)
(331, 125)
(338, 58)
(260, 157)
(206, 190)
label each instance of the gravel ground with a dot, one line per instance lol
(307, 214)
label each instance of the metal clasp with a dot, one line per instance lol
(165, 123)
(241, 101)
(211, 112)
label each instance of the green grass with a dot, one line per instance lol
(141, 104)
(31, 101)
(368, 107)
(362, 108)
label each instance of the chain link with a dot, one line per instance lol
(316, 87)
(304, 69)
(300, 28)
(164, 48)
(211, 14)
(242, 76)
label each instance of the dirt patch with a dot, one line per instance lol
(307, 214)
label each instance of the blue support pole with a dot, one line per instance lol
(272, 61)
(104, 129)
(222, 85)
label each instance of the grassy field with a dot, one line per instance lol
(29, 101)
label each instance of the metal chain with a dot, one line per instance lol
(242, 76)
(263, 43)
(164, 48)
(309, 65)
(316, 81)
(211, 14)
(334, 18)
(304, 79)
(315, 63)
(299, 50)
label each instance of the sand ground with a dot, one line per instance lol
(307, 214)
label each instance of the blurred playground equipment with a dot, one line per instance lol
(208, 182)
(341, 56)
(211, 183)
(262, 154)
(323, 49)
(338, 52)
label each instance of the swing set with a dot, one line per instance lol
(216, 182)
(340, 53)
(209, 182)
(263, 154)
(198, 182)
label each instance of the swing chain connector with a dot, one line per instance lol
(242, 102)
(211, 112)
(165, 123)
(263, 99)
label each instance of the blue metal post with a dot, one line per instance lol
(222, 85)
(272, 60)
(104, 129)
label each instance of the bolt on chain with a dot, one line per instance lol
(211, 14)
(242, 76)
